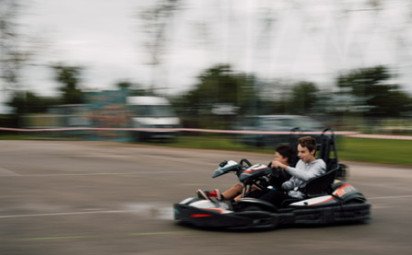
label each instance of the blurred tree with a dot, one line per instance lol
(217, 98)
(14, 53)
(304, 96)
(370, 86)
(29, 102)
(134, 89)
(16, 48)
(156, 19)
(124, 84)
(10, 56)
(69, 76)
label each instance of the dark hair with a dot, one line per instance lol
(308, 142)
(286, 151)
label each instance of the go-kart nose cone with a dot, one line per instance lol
(217, 172)
(225, 167)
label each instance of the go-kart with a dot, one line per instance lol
(327, 201)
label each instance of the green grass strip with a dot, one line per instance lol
(353, 149)
(376, 150)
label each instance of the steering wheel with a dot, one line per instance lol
(245, 163)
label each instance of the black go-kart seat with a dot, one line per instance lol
(328, 152)
(326, 148)
(318, 186)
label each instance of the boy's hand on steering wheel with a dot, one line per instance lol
(277, 164)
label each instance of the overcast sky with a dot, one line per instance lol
(299, 40)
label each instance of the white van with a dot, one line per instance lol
(152, 112)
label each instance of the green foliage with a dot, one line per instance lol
(303, 98)
(69, 76)
(360, 81)
(124, 85)
(370, 86)
(134, 89)
(218, 85)
(156, 20)
(296, 98)
(7, 120)
(11, 57)
(29, 102)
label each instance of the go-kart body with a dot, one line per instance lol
(327, 201)
(345, 204)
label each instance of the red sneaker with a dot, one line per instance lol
(215, 193)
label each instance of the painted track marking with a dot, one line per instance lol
(163, 212)
(7, 172)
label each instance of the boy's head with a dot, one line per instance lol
(307, 148)
(284, 154)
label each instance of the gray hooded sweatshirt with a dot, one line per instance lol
(301, 174)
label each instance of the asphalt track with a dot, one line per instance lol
(110, 198)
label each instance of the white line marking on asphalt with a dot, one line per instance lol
(155, 210)
(95, 174)
(7, 172)
(132, 234)
(62, 214)
(45, 175)
(50, 175)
